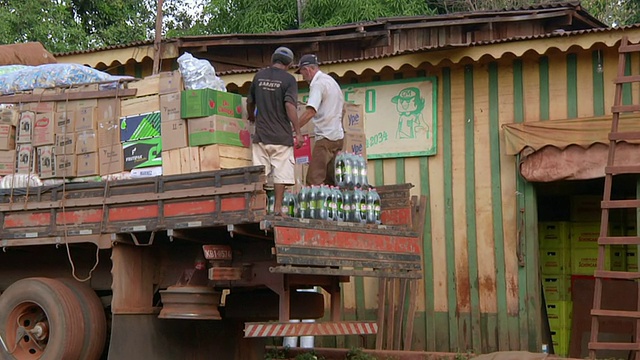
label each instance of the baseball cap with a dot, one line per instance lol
(308, 59)
(282, 54)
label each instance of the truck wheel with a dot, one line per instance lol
(42, 319)
(95, 320)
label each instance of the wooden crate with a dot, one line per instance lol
(184, 160)
(215, 157)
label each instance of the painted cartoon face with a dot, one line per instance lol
(406, 105)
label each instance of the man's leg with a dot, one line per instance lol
(279, 194)
(334, 147)
(320, 158)
(282, 162)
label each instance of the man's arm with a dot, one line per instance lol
(292, 113)
(307, 115)
(251, 111)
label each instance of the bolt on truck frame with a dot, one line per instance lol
(137, 269)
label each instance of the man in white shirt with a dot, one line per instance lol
(325, 107)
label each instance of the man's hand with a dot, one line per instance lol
(299, 141)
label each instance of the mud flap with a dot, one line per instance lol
(135, 337)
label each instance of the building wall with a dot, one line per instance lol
(481, 288)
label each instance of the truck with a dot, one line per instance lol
(187, 266)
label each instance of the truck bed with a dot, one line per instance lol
(232, 199)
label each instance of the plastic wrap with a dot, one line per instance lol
(51, 75)
(17, 181)
(199, 74)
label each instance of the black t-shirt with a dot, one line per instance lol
(270, 90)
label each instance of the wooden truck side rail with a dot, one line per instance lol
(82, 212)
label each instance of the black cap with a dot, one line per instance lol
(309, 59)
(283, 55)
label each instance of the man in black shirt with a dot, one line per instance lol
(274, 93)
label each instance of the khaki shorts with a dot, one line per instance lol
(278, 162)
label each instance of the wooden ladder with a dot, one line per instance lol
(604, 239)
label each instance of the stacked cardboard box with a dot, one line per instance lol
(208, 131)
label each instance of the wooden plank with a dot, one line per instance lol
(25, 98)
(544, 101)
(449, 210)
(529, 73)
(408, 334)
(189, 160)
(382, 295)
(558, 87)
(471, 207)
(596, 85)
(572, 86)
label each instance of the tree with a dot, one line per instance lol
(614, 13)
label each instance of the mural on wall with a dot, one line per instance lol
(400, 116)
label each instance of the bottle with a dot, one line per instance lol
(376, 207)
(347, 200)
(359, 206)
(348, 171)
(289, 204)
(355, 171)
(271, 197)
(339, 214)
(339, 169)
(331, 203)
(362, 163)
(303, 202)
(313, 202)
(323, 203)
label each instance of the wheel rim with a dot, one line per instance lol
(27, 331)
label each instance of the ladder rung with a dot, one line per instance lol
(619, 240)
(622, 136)
(616, 275)
(627, 79)
(629, 48)
(616, 313)
(622, 169)
(613, 346)
(620, 204)
(625, 108)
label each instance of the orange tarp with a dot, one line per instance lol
(31, 53)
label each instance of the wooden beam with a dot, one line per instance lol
(99, 94)
(497, 19)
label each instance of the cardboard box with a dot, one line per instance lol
(111, 159)
(585, 235)
(140, 105)
(65, 144)
(170, 82)
(43, 130)
(109, 133)
(7, 137)
(46, 161)
(86, 119)
(44, 107)
(7, 162)
(24, 155)
(66, 166)
(108, 110)
(174, 134)
(170, 107)
(302, 154)
(218, 129)
(207, 102)
(9, 116)
(355, 143)
(25, 127)
(64, 122)
(86, 142)
(71, 105)
(87, 164)
(150, 85)
(216, 157)
(138, 127)
(142, 153)
(353, 118)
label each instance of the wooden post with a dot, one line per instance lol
(382, 295)
(158, 40)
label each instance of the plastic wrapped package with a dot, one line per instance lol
(199, 74)
(51, 75)
(16, 181)
(11, 68)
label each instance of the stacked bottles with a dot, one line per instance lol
(303, 203)
(289, 204)
(373, 207)
(350, 171)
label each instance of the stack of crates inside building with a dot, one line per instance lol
(163, 129)
(569, 249)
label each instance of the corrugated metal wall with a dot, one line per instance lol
(481, 288)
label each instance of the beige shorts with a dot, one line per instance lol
(278, 162)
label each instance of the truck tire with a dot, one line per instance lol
(42, 319)
(95, 320)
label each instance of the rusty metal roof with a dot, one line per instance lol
(585, 20)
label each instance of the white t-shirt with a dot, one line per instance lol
(325, 96)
